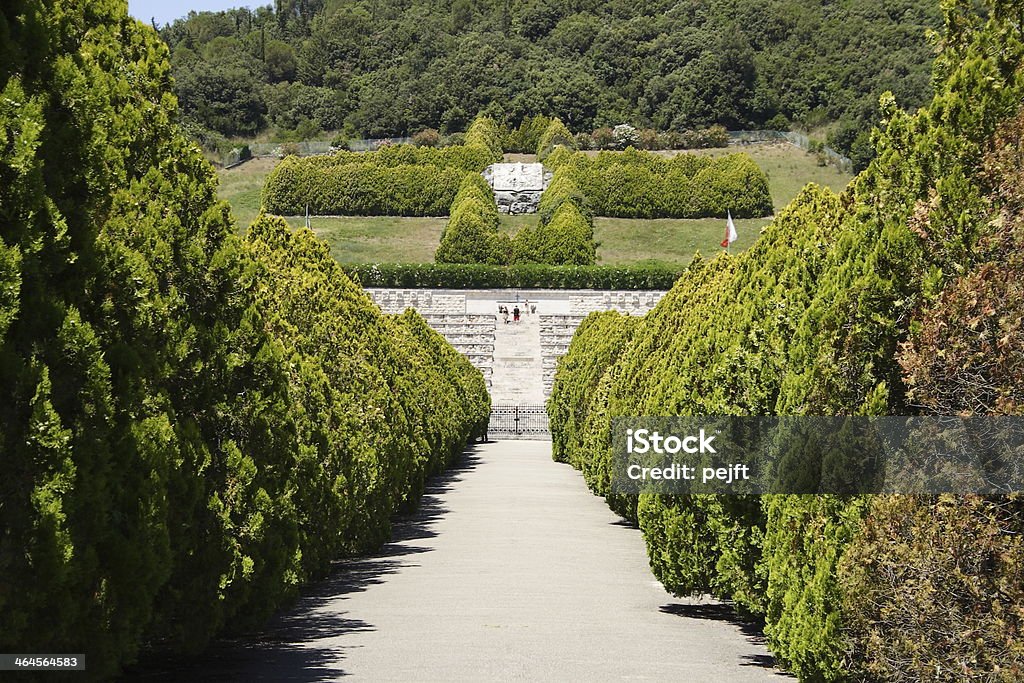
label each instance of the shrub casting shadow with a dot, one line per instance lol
(276, 653)
(751, 627)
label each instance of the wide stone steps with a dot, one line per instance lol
(518, 360)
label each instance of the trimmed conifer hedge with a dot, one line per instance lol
(554, 136)
(360, 189)
(195, 424)
(525, 275)
(471, 234)
(564, 233)
(563, 236)
(485, 133)
(639, 184)
(577, 407)
(889, 299)
(396, 180)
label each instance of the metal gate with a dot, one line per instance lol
(519, 421)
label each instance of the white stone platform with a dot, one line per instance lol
(517, 359)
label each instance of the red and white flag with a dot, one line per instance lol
(730, 231)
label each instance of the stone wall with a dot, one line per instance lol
(518, 360)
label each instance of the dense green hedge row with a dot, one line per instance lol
(639, 184)
(566, 238)
(578, 402)
(563, 236)
(485, 133)
(897, 297)
(360, 189)
(396, 180)
(533, 275)
(194, 424)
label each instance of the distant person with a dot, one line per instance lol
(533, 308)
(504, 314)
(515, 314)
(526, 307)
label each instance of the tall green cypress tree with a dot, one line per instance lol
(164, 475)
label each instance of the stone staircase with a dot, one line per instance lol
(518, 360)
(518, 372)
(471, 335)
(556, 333)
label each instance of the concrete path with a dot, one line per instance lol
(512, 570)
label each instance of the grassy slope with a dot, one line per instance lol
(358, 239)
(353, 239)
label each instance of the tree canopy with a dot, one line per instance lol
(193, 423)
(380, 68)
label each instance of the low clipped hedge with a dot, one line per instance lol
(360, 189)
(638, 184)
(396, 180)
(526, 275)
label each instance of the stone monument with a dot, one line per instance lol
(517, 186)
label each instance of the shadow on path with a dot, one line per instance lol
(280, 651)
(751, 627)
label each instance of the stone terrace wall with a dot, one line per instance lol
(469, 320)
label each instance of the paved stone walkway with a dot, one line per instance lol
(518, 374)
(512, 570)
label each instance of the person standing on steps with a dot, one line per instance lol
(515, 314)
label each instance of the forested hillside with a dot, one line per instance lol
(193, 423)
(380, 68)
(899, 297)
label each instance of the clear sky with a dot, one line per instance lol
(165, 12)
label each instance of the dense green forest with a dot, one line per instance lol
(378, 68)
(901, 296)
(194, 423)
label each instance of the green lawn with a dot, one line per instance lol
(379, 239)
(789, 169)
(623, 241)
(241, 186)
(362, 239)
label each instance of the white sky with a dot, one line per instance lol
(166, 12)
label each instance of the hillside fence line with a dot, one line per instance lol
(747, 137)
(314, 147)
